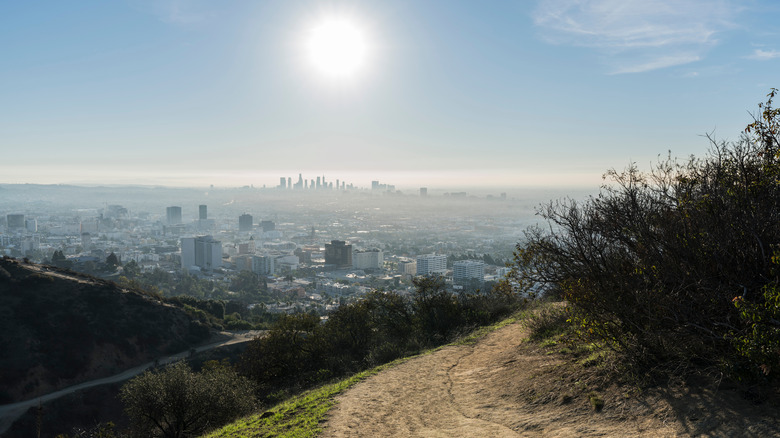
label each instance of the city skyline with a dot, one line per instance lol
(445, 94)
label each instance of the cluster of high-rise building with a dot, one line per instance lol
(318, 183)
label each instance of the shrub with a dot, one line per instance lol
(437, 311)
(176, 402)
(651, 265)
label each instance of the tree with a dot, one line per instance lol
(247, 284)
(176, 402)
(131, 269)
(58, 259)
(436, 309)
(112, 261)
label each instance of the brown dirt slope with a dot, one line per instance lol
(504, 386)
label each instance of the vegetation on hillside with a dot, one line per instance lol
(676, 267)
(177, 402)
(300, 351)
(58, 331)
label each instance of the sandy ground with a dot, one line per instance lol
(503, 386)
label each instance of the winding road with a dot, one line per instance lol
(11, 412)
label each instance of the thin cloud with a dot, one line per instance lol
(764, 55)
(638, 35)
(657, 63)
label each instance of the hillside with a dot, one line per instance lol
(60, 328)
(506, 386)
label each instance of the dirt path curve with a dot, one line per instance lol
(11, 412)
(473, 391)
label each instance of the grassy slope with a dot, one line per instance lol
(301, 415)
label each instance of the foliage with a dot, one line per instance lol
(302, 415)
(176, 402)
(249, 285)
(651, 264)
(549, 320)
(299, 416)
(759, 342)
(437, 311)
(100, 430)
(59, 259)
(58, 325)
(112, 261)
(131, 269)
(300, 351)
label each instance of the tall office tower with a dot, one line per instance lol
(86, 242)
(282, 182)
(15, 221)
(201, 251)
(306, 184)
(423, 191)
(202, 212)
(337, 184)
(374, 185)
(245, 222)
(338, 253)
(299, 184)
(431, 264)
(268, 225)
(289, 182)
(173, 215)
(319, 182)
(31, 225)
(465, 271)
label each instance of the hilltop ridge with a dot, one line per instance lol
(61, 328)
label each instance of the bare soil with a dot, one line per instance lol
(506, 386)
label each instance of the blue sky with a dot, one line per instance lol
(453, 93)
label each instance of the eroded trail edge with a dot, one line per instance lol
(503, 387)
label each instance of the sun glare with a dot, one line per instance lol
(337, 48)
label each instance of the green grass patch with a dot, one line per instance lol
(298, 417)
(478, 333)
(596, 402)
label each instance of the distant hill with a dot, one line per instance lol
(59, 328)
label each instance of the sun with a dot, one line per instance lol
(337, 48)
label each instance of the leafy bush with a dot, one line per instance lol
(652, 264)
(299, 350)
(176, 402)
(758, 343)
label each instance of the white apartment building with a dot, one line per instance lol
(202, 251)
(263, 265)
(464, 271)
(431, 264)
(407, 267)
(367, 259)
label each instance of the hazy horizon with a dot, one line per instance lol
(405, 181)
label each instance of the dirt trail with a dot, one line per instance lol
(503, 387)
